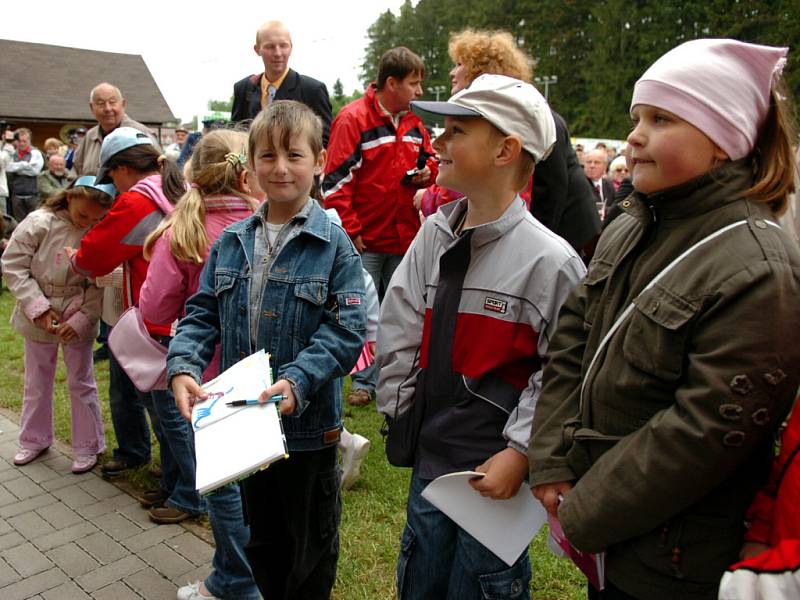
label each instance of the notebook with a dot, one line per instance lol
(234, 442)
(592, 565)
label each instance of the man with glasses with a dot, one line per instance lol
(108, 106)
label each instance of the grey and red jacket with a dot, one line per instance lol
(518, 276)
(367, 158)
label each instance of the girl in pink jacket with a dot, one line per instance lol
(177, 250)
(57, 307)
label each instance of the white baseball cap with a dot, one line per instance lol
(513, 106)
(118, 140)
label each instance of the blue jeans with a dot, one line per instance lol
(440, 560)
(231, 577)
(178, 464)
(381, 267)
(128, 407)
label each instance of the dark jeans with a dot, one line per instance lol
(293, 509)
(128, 407)
(440, 560)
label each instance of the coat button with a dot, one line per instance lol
(242, 310)
(626, 204)
(516, 587)
(760, 224)
(656, 306)
(734, 439)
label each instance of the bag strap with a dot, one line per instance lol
(629, 309)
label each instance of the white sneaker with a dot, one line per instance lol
(192, 592)
(352, 456)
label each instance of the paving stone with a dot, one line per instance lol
(59, 463)
(102, 547)
(151, 537)
(166, 561)
(197, 574)
(117, 526)
(30, 586)
(23, 488)
(74, 497)
(148, 583)
(115, 503)
(7, 574)
(64, 536)
(10, 540)
(101, 577)
(61, 481)
(6, 435)
(139, 515)
(31, 525)
(116, 591)
(5, 527)
(39, 471)
(6, 497)
(24, 506)
(59, 515)
(99, 488)
(66, 591)
(192, 548)
(72, 559)
(26, 559)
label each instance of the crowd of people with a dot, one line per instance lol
(608, 331)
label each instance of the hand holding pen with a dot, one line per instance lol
(280, 388)
(274, 399)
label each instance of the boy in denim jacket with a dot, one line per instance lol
(464, 326)
(289, 281)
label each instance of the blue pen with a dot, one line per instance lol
(275, 398)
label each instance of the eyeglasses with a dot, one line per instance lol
(621, 170)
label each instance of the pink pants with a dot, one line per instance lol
(36, 426)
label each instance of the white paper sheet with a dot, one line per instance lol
(232, 442)
(505, 527)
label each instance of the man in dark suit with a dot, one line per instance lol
(595, 164)
(278, 81)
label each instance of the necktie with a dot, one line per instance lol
(271, 90)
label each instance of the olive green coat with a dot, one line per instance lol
(679, 413)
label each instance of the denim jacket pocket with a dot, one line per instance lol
(310, 296)
(655, 340)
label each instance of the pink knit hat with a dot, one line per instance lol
(720, 86)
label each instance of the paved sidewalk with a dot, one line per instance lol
(74, 537)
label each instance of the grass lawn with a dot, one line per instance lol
(374, 510)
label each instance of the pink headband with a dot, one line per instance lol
(720, 86)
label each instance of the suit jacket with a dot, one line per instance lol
(608, 191)
(309, 91)
(562, 198)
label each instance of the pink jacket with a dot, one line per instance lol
(170, 282)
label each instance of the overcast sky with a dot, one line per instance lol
(197, 50)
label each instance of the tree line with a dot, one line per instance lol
(596, 50)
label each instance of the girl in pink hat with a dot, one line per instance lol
(673, 363)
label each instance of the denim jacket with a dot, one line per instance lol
(312, 319)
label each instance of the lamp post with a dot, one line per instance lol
(437, 89)
(546, 81)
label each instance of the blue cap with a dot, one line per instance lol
(118, 140)
(90, 181)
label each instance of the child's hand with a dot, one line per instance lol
(505, 472)
(186, 391)
(66, 333)
(751, 549)
(359, 244)
(422, 178)
(280, 387)
(48, 321)
(548, 494)
(372, 346)
(70, 252)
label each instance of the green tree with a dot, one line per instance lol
(221, 105)
(338, 90)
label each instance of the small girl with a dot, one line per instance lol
(289, 281)
(57, 307)
(177, 251)
(674, 363)
(149, 185)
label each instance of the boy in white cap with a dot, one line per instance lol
(464, 325)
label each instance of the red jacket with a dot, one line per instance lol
(774, 515)
(119, 238)
(367, 159)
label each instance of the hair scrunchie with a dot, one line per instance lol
(160, 160)
(236, 160)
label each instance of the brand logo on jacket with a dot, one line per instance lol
(495, 305)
